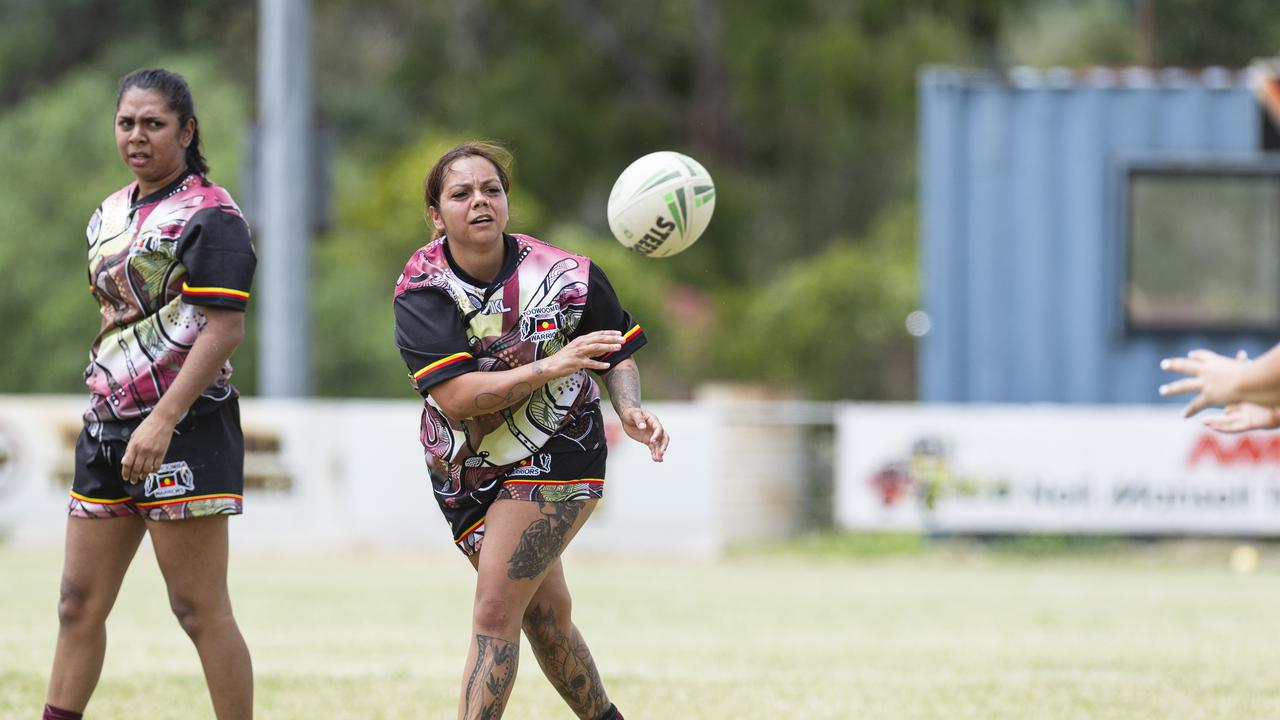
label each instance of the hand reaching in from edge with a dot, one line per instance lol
(1243, 417)
(1214, 378)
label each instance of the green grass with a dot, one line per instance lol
(953, 630)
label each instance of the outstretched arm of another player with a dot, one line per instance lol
(640, 425)
(1220, 380)
(1243, 417)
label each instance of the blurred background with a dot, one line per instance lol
(804, 112)
(952, 240)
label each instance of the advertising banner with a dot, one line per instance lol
(1051, 468)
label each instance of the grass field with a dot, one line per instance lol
(813, 630)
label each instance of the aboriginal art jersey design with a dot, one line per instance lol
(154, 263)
(448, 324)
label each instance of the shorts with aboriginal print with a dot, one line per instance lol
(570, 466)
(202, 473)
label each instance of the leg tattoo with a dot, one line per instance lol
(567, 663)
(543, 540)
(491, 678)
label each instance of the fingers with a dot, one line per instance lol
(1195, 360)
(1203, 355)
(1226, 423)
(1199, 403)
(594, 345)
(135, 466)
(1182, 387)
(658, 439)
(141, 458)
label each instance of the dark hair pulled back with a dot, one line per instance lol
(433, 185)
(177, 95)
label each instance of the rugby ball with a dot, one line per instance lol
(661, 204)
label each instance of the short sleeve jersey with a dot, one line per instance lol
(154, 263)
(448, 324)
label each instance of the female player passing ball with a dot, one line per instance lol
(500, 333)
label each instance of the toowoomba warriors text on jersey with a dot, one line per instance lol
(154, 263)
(448, 323)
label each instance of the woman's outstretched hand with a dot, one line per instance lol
(645, 427)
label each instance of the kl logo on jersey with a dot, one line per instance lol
(171, 480)
(540, 323)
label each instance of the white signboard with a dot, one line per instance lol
(320, 473)
(1095, 469)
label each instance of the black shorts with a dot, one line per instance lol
(202, 474)
(570, 466)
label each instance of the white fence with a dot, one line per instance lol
(324, 473)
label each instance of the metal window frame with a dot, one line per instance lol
(1258, 165)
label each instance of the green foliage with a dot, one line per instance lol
(1204, 32)
(1097, 32)
(61, 163)
(833, 324)
(804, 113)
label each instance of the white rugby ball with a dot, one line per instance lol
(661, 204)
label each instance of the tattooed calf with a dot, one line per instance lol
(491, 678)
(566, 661)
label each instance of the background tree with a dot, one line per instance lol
(804, 112)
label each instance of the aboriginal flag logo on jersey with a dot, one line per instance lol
(541, 323)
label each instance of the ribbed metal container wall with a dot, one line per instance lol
(1020, 206)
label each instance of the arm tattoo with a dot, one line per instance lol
(491, 402)
(624, 387)
(491, 678)
(566, 661)
(543, 540)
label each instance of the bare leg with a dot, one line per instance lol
(521, 541)
(560, 649)
(192, 555)
(98, 552)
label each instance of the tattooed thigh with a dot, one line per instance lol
(544, 539)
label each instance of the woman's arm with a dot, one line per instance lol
(640, 425)
(221, 334)
(481, 393)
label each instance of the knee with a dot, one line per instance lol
(496, 615)
(81, 604)
(194, 617)
(548, 618)
(76, 604)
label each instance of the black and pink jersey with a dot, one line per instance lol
(448, 323)
(154, 262)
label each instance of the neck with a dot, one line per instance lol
(146, 187)
(480, 263)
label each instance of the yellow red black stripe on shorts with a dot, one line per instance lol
(580, 481)
(194, 498)
(477, 526)
(99, 501)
